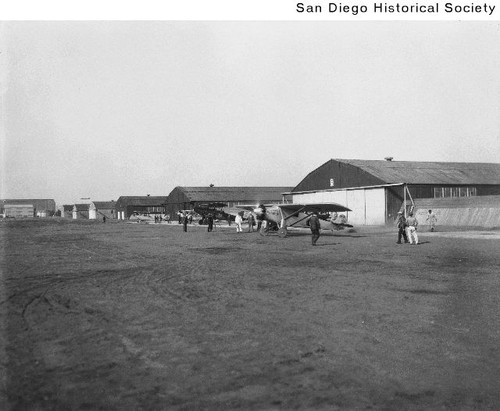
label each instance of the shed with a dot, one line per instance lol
(100, 209)
(377, 189)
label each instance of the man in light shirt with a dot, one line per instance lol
(411, 229)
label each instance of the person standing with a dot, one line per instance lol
(185, 221)
(250, 222)
(411, 230)
(210, 221)
(238, 220)
(432, 219)
(401, 225)
(314, 225)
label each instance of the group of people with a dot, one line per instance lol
(407, 226)
(251, 219)
(159, 218)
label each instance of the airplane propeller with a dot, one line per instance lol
(260, 211)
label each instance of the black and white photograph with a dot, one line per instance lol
(229, 213)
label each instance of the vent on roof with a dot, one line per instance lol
(388, 158)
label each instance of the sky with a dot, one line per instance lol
(101, 109)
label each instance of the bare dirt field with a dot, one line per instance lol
(123, 316)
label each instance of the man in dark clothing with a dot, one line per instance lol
(315, 227)
(250, 222)
(401, 225)
(210, 220)
(185, 222)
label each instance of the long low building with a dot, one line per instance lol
(375, 190)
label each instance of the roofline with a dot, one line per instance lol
(344, 189)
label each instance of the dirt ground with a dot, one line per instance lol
(121, 316)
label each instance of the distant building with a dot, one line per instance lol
(100, 209)
(18, 210)
(184, 198)
(81, 211)
(66, 211)
(125, 206)
(41, 207)
(376, 190)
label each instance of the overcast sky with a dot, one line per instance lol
(104, 109)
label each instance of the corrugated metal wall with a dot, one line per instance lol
(462, 217)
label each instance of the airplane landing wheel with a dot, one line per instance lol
(282, 232)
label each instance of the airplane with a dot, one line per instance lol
(142, 217)
(217, 210)
(191, 213)
(283, 216)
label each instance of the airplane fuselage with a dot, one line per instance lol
(298, 219)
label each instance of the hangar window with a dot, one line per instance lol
(441, 192)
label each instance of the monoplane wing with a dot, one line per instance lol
(239, 207)
(310, 208)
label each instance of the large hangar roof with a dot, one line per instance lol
(356, 173)
(214, 194)
(421, 172)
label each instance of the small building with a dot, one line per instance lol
(18, 210)
(100, 209)
(45, 207)
(125, 206)
(81, 211)
(184, 198)
(375, 190)
(66, 211)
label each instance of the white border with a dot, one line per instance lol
(247, 10)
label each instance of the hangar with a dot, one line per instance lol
(376, 190)
(125, 206)
(184, 198)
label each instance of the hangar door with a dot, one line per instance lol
(367, 205)
(375, 206)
